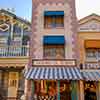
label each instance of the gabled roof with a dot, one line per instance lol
(89, 18)
(15, 17)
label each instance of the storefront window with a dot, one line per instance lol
(47, 89)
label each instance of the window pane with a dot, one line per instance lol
(53, 21)
(59, 21)
(54, 52)
(91, 53)
(48, 21)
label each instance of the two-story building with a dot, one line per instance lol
(89, 46)
(53, 72)
(14, 47)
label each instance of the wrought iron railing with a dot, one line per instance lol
(13, 51)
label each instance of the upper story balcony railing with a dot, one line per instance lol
(4, 33)
(14, 51)
(90, 65)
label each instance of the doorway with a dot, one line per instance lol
(90, 90)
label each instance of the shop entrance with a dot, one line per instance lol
(65, 90)
(90, 90)
(48, 90)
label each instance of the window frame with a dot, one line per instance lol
(53, 17)
(52, 47)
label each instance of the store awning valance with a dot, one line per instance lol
(91, 75)
(54, 40)
(92, 44)
(53, 73)
(54, 13)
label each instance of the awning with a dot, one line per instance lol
(54, 13)
(54, 40)
(92, 43)
(53, 73)
(91, 75)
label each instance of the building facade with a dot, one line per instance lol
(89, 46)
(53, 72)
(14, 47)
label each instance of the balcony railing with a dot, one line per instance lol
(14, 51)
(90, 65)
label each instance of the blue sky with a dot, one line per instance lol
(23, 7)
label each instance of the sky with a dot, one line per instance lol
(23, 7)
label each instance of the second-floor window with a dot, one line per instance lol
(93, 53)
(54, 52)
(54, 19)
(54, 47)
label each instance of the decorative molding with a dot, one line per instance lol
(4, 25)
(90, 26)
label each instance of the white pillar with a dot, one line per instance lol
(22, 32)
(12, 28)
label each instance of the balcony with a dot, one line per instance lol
(16, 56)
(14, 51)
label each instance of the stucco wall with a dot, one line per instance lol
(69, 31)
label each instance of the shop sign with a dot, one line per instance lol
(54, 62)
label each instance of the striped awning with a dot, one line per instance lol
(91, 75)
(53, 73)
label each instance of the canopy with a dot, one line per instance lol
(53, 73)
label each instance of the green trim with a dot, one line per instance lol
(58, 88)
(32, 87)
(74, 90)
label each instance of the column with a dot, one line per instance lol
(81, 87)
(26, 89)
(58, 90)
(12, 28)
(31, 95)
(74, 90)
(22, 32)
(98, 90)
